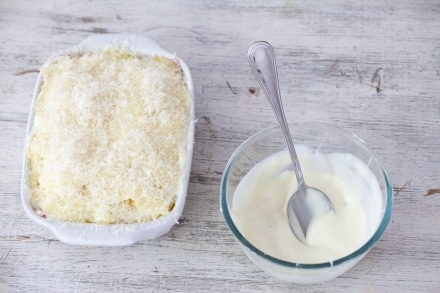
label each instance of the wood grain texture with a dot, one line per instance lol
(371, 67)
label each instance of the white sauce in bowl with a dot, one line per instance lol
(259, 206)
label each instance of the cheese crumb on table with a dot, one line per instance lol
(109, 139)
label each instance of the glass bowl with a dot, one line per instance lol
(320, 138)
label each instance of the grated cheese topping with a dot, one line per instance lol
(109, 139)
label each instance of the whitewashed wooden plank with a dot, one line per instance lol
(328, 54)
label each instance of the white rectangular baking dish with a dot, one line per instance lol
(112, 234)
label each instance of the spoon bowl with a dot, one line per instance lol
(307, 203)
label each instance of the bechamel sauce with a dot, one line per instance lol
(259, 206)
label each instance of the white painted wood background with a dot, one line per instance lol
(371, 67)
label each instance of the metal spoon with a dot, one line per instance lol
(307, 202)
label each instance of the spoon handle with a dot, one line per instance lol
(261, 58)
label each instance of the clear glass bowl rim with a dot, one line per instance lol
(359, 252)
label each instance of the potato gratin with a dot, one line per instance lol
(109, 139)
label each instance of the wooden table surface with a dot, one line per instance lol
(370, 67)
